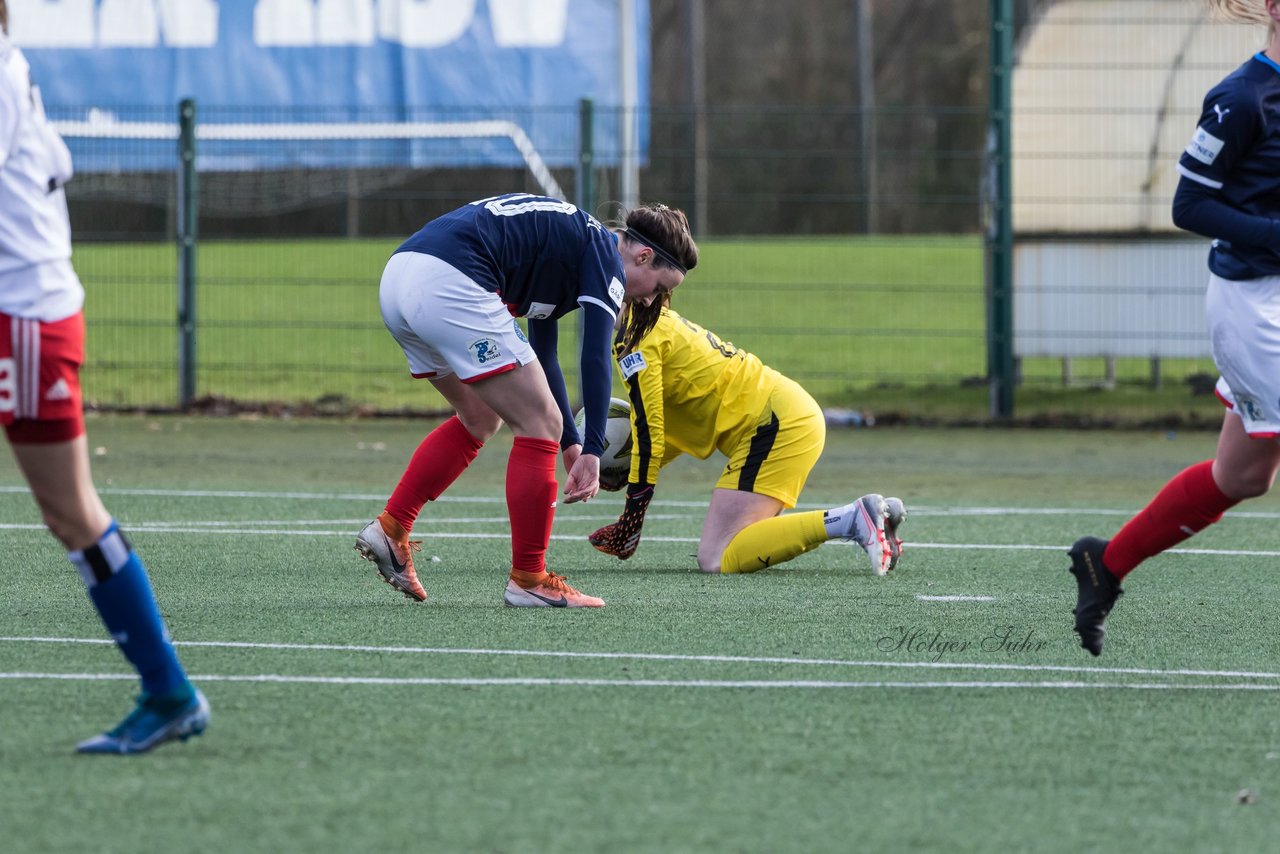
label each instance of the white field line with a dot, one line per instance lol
(154, 528)
(792, 684)
(436, 534)
(923, 598)
(914, 509)
(1063, 548)
(677, 657)
(222, 527)
(355, 523)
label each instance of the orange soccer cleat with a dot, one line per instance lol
(545, 590)
(385, 542)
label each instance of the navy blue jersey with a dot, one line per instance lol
(1231, 172)
(542, 256)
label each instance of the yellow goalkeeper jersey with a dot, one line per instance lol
(690, 393)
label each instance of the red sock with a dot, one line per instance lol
(1187, 504)
(442, 456)
(531, 500)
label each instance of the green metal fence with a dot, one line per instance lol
(904, 292)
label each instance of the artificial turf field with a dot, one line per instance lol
(782, 711)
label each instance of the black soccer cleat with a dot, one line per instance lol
(1097, 593)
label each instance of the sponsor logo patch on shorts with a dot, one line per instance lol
(1249, 408)
(632, 364)
(1204, 146)
(484, 350)
(616, 291)
(519, 332)
(540, 310)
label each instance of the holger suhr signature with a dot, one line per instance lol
(1001, 640)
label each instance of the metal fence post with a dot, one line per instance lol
(188, 208)
(586, 190)
(866, 88)
(586, 155)
(999, 202)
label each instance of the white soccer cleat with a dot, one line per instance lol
(895, 513)
(871, 514)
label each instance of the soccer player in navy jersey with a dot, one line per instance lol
(41, 350)
(1229, 191)
(450, 295)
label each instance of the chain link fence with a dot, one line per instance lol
(844, 245)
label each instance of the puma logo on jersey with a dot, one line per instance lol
(58, 391)
(1222, 112)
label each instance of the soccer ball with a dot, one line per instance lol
(615, 459)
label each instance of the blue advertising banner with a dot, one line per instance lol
(449, 81)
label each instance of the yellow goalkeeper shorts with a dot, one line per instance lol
(776, 457)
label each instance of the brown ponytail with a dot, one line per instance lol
(666, 231)
(638, 321)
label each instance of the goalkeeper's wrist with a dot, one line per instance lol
(638, 497)
(638, 490)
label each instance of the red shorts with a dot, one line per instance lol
(40, 398)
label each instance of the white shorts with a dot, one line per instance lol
(446, 323)
(1244, 332)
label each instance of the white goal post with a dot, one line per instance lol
(97, 127)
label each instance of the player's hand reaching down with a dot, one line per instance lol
(584, 479)
(622, 537)
(569, 456)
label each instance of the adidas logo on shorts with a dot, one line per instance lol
(58, 391)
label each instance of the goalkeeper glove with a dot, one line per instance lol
(622, 537)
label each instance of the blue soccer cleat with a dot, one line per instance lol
(153, 721)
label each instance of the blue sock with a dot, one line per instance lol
(120, 590)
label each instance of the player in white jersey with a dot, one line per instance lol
(449, 296)
(1229, 191)
(41, 350)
